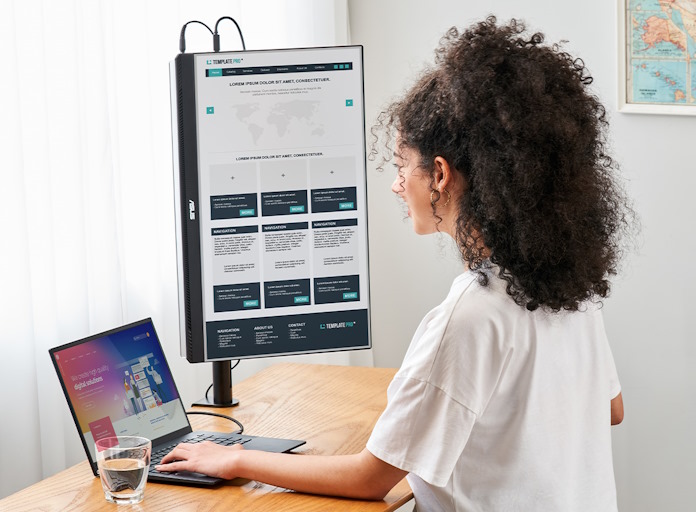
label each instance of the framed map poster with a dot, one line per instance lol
(657, 56)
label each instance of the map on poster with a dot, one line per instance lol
(661, 44)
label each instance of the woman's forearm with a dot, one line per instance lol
(361, 475)
(354, 476)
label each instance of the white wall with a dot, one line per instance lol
(86, 175)
(648, 317)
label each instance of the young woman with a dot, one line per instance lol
(505, 398)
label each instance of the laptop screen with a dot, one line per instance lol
(119, 383)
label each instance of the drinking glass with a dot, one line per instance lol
(123, 463)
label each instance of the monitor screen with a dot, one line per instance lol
(119, 383)
(271, 202)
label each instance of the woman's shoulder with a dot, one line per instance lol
(480, 296)
(460, 312)
(484, 312)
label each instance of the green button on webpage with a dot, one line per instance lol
(350, 295)
(346, 206)
(297, 209)
(247, 213)
(301, 299)
(251, 303)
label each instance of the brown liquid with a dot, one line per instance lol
(120, 475)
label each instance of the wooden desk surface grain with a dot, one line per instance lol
(333, 407)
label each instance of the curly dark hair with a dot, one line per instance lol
(516, 119)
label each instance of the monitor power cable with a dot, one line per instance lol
(206, 413)
(215, 34)
(182, 35)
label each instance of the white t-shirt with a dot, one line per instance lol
(497, 408)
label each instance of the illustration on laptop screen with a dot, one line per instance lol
(120, 384)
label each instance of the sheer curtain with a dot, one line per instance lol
(87, 201)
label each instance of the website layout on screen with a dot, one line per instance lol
(282, 189)
(120, 385)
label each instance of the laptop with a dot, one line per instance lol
(119, 383)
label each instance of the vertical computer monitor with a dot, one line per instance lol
(271, 209)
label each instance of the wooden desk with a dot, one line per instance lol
(333, 407)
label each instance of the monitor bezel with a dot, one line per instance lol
(186, 190)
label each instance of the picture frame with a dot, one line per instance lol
(656, 75)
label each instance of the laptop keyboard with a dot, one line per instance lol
(224, 440)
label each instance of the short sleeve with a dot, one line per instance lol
(614, 384)
(612, 374)
(422, 430)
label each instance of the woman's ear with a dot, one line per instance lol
(443, 173)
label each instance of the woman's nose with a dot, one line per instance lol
(397, 186)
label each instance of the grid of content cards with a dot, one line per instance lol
(282, 181)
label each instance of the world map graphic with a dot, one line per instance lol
(299, 116)
(661, 38)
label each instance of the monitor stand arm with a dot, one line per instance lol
(222, 387)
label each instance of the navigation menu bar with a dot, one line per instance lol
(269, 70)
